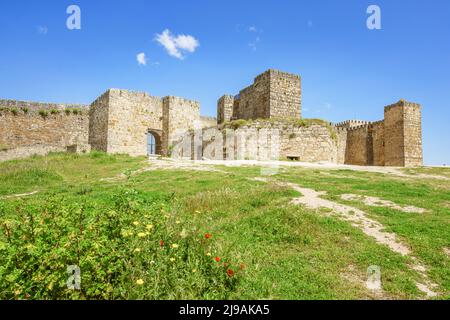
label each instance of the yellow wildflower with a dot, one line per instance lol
(141, 234)
(209, 254)
(172, 259)
(137, 250)
(178, 222)
(174, 246)
(140, 282)
(198, 212)
(136, 223)
(149, 227)
(194, 270)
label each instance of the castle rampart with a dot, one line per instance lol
(267, 112)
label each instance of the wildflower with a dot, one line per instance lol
(178, 222)
(136, 223)
(194, 270)
(175, 246)
(161, 243)
(172, 259)
(141, 234)
(149, 227)
(230, 273)
(217, 259)
(208, 236)
(198, 212)
(209, 254)
(140, 282)
(137, 250)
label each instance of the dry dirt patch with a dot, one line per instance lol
(377, 202)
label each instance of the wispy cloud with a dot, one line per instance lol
(42, 30)
(254, 43)
(175, 45)
(141, 59)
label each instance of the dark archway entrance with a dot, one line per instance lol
(154, 142)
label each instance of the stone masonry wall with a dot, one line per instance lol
(179, 116)
(253, 102)
(377, 136)
(357, 152)
(98, 123)
(285, 95)
(394, 135)
(277, 140)
(25, 124)
(131, 116)
(225, 109)
(412, 117)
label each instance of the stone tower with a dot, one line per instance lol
(225, 109)
(273, 94)
(403, 134)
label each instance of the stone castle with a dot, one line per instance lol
(248, 126)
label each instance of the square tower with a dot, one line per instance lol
(225, 109)
(273, 94)
(403, 134)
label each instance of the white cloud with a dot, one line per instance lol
(42, 29)
(254, 43)
(252, 29)
(141, 59)
(174, 45)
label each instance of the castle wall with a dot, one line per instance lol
(225, 109)
(271, 141)
(131, 116)
(378, 145)
(285, 95)
(403, 134)
(207, 122)
(254, 101)
(357, 152)
(413, 135)
(98, 123)
(179, 116)
(56, 126)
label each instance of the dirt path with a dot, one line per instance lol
(377, 202)
(359, 219)
(19, 195)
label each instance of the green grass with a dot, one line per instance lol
(278, 250)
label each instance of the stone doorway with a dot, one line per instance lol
(153, 142)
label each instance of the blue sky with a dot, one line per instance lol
(348, 71)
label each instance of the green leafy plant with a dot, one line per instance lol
(132, 249)
(54, 111)
(43, 113)
(14, 111)
(25, 110)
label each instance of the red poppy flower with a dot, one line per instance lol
(230, 273)
(208, 236)
(217, 259)
(161, 243)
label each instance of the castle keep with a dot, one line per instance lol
(263, 121)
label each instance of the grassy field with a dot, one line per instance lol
(179, 234)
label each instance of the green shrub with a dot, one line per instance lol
(133, 248)
(54, 111)
(67, 111)
(43, 113)
(14, 111)
(25, 110)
